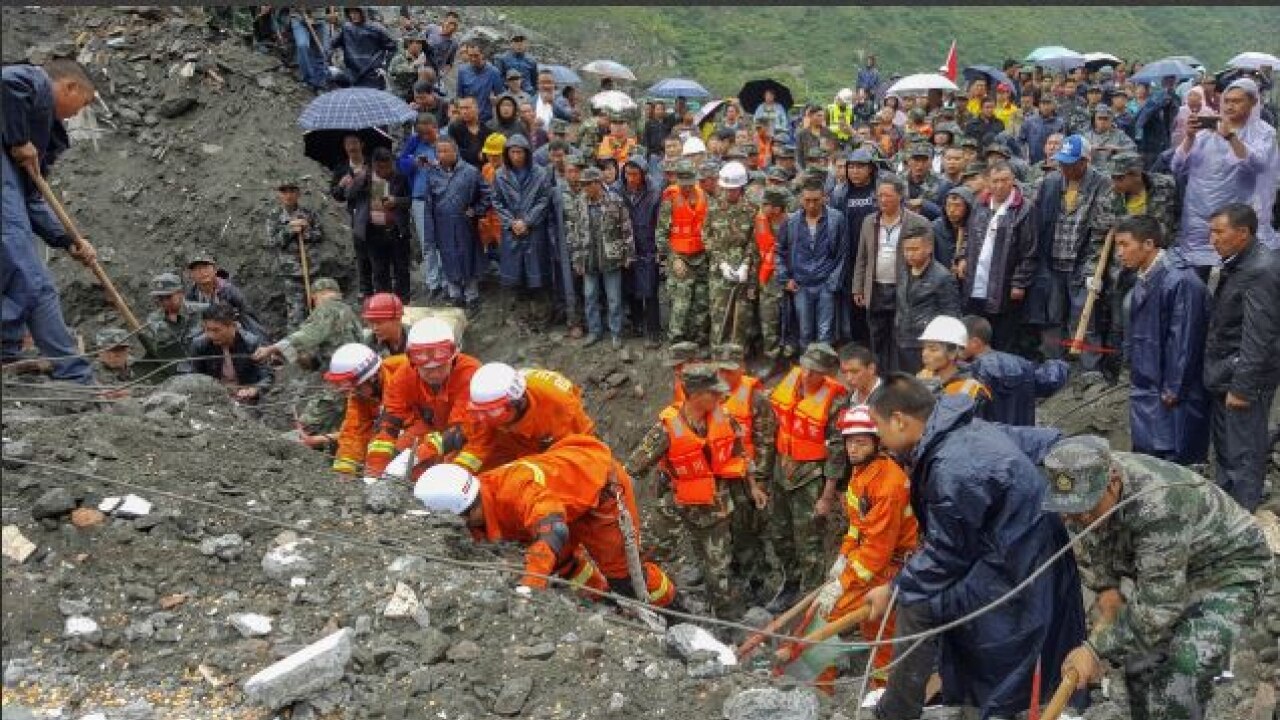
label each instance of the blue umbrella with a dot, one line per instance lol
(678, 87)
(355, 109)
(1049, 51)
(562, 75)
(1152, 72)
(993, 76)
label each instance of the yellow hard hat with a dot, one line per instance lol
(494, 144)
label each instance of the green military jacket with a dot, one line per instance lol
(330, 325)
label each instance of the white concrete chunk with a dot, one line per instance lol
(302, 674)
(16, 545)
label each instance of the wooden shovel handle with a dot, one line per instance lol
(826, 631)
(1062, 696)
(754, 641)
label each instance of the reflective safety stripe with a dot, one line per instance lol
(539, 476)
(663, 589)
(908, 512)
(345, 465)
(583, 575)
(862, 572)
(382, 446)
(854, 532)
(436, 441)
(468, 461)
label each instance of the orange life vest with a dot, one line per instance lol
(694, 462)
(686, 222)
(765, 242)
(802, 421)
(737, 405)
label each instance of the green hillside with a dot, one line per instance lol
(821, 47)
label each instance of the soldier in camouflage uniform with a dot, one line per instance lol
(170, 328)
(766, 296)
(284, 226)
(331, 324)
(810, 463)
(728, 234)
(701, 451)
(598, 230)
(746, 402)
(922, 184)
(1197, 560)
(113, 364)
(679, 237)
(591, 132)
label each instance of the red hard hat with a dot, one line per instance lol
(383, 306)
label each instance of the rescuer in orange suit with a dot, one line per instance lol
(358, 371)
(557, 503)
(426, 400)
(882, 531)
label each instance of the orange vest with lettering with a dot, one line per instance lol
(738, 406)
(802, 421)
(765, 241)
(694, 462)
(686, 222)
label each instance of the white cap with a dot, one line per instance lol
(693, 146)
(447, 488)
(733, 175)
(845, 95)
(945, 329)
(496, 381)
(431, 342)
(353, 363)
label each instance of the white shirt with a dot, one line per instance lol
(542, 109)
(982, 274)
(887, 255)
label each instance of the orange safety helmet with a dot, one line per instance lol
(382, 306)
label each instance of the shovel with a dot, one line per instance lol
(1062, 696)
(112, 294)
(751, 643)
(788, 653)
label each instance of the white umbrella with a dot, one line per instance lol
(1254, 61)
(613, 101)
(1100, 59)
(921, 84)
(609, 69)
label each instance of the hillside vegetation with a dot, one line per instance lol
(820, 48)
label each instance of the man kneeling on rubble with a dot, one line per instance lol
(562, 504)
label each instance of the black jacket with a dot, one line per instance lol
(1242, 354)
(923, 298)
(206, 359)
(1013, 262)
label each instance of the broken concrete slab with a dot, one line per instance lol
(771, 704)
(250, 625)
(302, 674)
(16, 546)
(289, 560)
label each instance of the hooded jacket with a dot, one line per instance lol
(643, 207)
(366, 50)
(944, 233)
(978, 499)
(509, 128)
(1015, 382)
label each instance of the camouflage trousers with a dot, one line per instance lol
(322, 411)
(747, 526)
(720, 291)
(710, 533)
(799, 539)
(1179, 685)
(763, 318)
(295, 301)
(689, 320)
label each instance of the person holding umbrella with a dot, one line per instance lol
(773, 110)
(366, 48)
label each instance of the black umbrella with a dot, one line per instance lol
(752, 94)
(325, 146)
(994, 77)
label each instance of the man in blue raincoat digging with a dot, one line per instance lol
(978, 500)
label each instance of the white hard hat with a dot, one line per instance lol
(447, 488)
(496, 382)
(693, 146)
(945, 329)
(733, 175)
(431, 343)
(352, 364)
(856, 421)
(845, 95)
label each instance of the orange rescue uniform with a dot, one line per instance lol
(572, 482)
(358, 421)
(882, 532)
(411, 410)
(553, 410)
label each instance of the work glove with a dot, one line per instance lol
(398, 468)
(727, 272)
(1093, 285)
(828, 596)
(369, 480)
(742, 273)
(837, 568)
(524, 591)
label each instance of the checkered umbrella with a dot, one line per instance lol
(355, 109)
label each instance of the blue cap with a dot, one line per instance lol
(861, 155)
(1074, 149)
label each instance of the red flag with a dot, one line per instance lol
(951, 68)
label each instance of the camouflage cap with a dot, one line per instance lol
(709, 169)
(284, 185)
(592, 175)
(1077, 469)
(755, 176)
(201, 257)
(326, 283)
(777, 197)
(670, 166)
(513, 74)
(820, 357)
(814, 153)
(700, 377)
(731, 356)
(682, 352)
(110, 338)
(973, 169)
(750, 148)
(578, 160)
(968, 142)
(558, 126)
(917, 114)
(861, 155)
(786, 151)
(1103, 111)
(165, 284)
(1125, 163)
(997, 149)
(735, 153)
(686, 173)
(776, 174)
(919, 151)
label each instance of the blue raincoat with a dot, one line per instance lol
(525, 194)
(446, 225)
(642, 276)
(1164, 342)
(978, 498)
(1015, 382)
